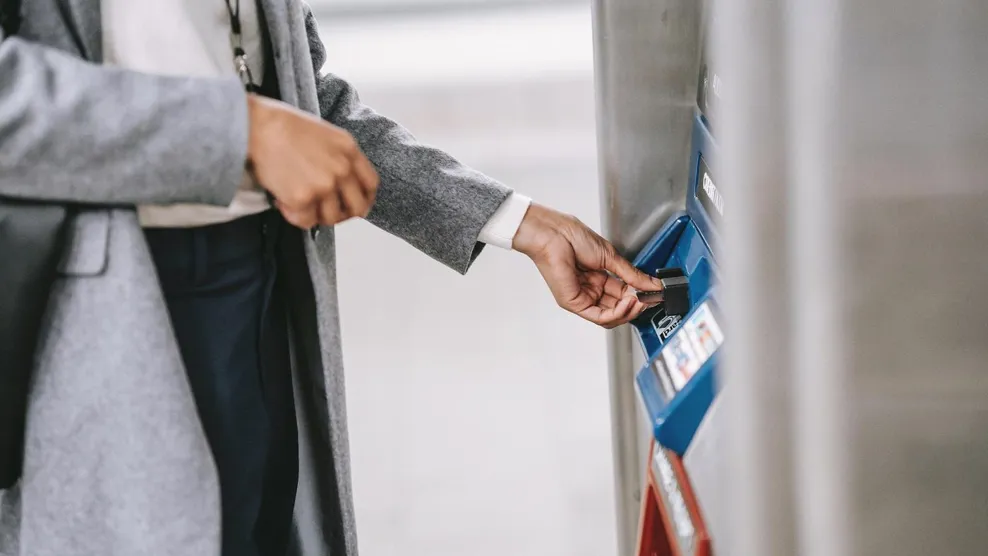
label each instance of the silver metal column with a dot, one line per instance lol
(646, 61)
(749, 49)
(911, 175)
(819, 364)
(855, 379)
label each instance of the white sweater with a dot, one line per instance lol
(192, 38)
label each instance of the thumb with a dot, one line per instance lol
(632, 276)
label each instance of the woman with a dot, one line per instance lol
(192, 349)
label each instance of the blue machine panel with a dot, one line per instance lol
(680, 245)
(678, 384)
(704, 201)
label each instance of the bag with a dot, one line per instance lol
(32, 243)
(10, 16)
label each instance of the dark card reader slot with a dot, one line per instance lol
(675, 294)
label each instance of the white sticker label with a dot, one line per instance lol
(691, 348)
(681, 360)
(713, 193)
(704, 332)
(677, 504)
(665, 325)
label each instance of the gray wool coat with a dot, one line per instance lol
(116, 461)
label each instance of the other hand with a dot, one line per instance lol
(315, 171)
(585, 273)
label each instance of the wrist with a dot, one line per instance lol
(537, 230)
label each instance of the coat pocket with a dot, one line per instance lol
(87, 244)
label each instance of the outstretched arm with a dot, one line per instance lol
(442, 207)
(425, 196)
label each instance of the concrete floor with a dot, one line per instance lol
(478, 409)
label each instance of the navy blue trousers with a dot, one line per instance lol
(227, 306)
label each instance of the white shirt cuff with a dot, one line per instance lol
(500, 230)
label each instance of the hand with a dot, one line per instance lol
(583, 270)
(315, 171)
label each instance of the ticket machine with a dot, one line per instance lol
(678, 385)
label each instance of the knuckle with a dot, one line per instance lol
(323, 189)
(302, 196)
(347, 143)
(343, 167)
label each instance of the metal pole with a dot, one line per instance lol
(646, 58)
(628, 469)
(749, 48)
(820, 433)
(854, 143)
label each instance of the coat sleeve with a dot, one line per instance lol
(426, 197)
(73, 131)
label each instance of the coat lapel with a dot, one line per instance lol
(276, 16)
(84, 16)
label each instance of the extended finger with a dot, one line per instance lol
(632, 276)
(616, 287)
(632, 310)
(621, 313)
(608, 301)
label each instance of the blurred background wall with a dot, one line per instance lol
(478, 410)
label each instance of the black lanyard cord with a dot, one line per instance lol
(234, 15)
(239, 54)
